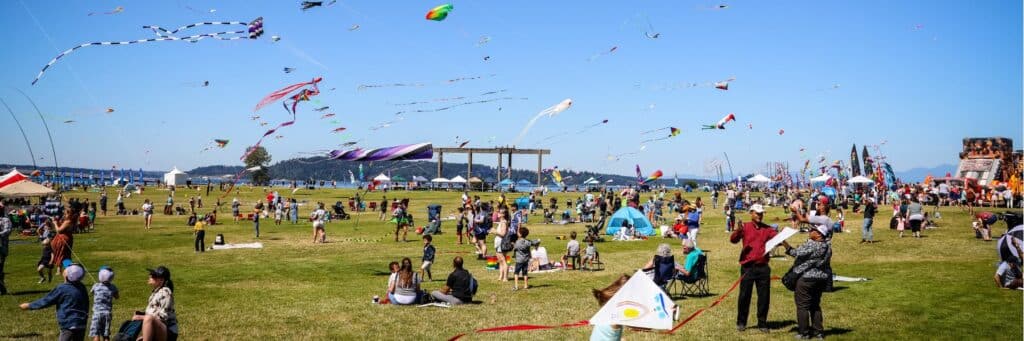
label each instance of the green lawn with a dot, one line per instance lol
(938, 287)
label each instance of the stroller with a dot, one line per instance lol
(594, 231)
(339, 211)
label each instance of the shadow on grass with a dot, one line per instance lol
(781, 324)
(28, 292)
(837, 331)
(837, 289)
(22, 336)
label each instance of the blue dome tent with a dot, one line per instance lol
(639, 221)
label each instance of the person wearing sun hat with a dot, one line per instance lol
(754, 268)
(813, 264)
(72, 301)
(159, 322)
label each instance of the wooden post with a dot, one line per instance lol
(510, 167)
(440, 164)
(499, 165)
(540, 165)
(469, 171)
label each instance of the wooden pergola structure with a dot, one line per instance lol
(501, 151)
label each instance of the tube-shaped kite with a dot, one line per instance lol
(396, 153)
(721, 123)
(439, 13)
(654, 176)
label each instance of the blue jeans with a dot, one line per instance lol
(865, 232)
(256, 225)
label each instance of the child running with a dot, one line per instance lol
(428, 257)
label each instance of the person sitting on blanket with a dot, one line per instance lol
(459, 288)
(405, 289)
(539, 258)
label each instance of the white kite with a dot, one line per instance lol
(639, 303)
(550, 111)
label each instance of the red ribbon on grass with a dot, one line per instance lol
(520, 327)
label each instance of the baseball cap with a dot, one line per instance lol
(757, 208)
(160, 272)
(74, 273)
(106, 274)
(822, 229)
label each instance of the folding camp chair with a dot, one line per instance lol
(696, 285)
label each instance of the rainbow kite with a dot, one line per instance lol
(654, 176)
(439, 13)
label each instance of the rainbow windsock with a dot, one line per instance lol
(439, 13)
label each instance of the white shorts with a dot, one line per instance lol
(318, 226)
(426, 265)
(497, 244)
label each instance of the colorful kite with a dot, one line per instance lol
(254, 30)
(322, 108)
(673, 132)
(463, 144)
(338, 130)
(302, 95)
(279, 94)
(221, 143)
(550, 111)
(110, 110)
(724, 85)
(721, 123)
(326, 115)
(397, 153)
(439, 13)
(654, 176)
(275, 38)
(781, 131)
(289, 69)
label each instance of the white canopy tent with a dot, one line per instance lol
(759, 178)
(591, 181)
(821, 178)
(440, 180)
(860, 179)
(417, 178)
(175, 177)
(382, 178)
(458, 179)
(25, 189)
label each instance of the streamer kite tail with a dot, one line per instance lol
(279, 94)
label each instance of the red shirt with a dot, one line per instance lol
(754, 236)
(680, 228)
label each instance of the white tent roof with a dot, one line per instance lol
(822, 178)
(860, 179)
(175, 171)
(591, 181)
(25, 189)
(759, 178)
(417, 178)
(382, 177)
(458, 179)
(440, 180)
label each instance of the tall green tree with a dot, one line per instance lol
(259, 157)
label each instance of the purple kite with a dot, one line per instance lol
(396, 153)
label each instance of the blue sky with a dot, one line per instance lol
(920, 75)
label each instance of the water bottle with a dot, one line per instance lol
(376, 299)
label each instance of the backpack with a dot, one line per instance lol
(129, 331)
(473, 285)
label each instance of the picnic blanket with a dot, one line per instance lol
(238, 246)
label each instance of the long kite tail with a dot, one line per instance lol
(707, 127)
(192, 38)
(29, 145)
(158, 29)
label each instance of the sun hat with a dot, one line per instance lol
(757, 208)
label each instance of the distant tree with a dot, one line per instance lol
(691, 183)
(259, 157)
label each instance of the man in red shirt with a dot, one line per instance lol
(754, 268)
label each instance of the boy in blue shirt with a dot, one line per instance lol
(428, 257)
(72, 303)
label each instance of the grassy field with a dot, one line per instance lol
(937, 287)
